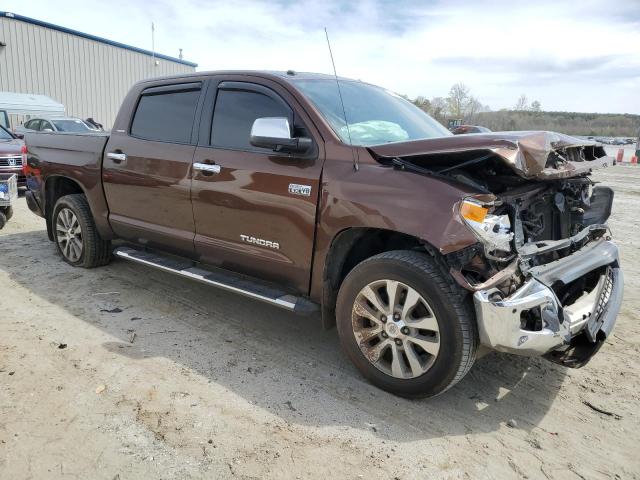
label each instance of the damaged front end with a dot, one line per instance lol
(544, 274)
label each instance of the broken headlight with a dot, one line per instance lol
(494, 231)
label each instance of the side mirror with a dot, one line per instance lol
(275, 133)
(47, 130)
(19, 135)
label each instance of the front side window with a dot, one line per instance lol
(234, 114)
(33, 125)
(166, 117)
(374, 115)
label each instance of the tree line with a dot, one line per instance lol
(460, 104)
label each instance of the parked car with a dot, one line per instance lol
(421, 245)
(11, 155)
(56, 124)
(463, 129)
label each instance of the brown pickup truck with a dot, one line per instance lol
(426, 249)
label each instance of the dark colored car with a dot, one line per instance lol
(11, 155)
(463, 129)
(421, 245)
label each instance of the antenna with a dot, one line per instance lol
(153, 44)
(344, 111)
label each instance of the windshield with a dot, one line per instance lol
(76, 126)
(4, 119)
(4, 135)
(375, 115)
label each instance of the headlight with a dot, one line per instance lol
(494, 231)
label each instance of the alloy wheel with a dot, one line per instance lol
(69, 234)
(396, 328)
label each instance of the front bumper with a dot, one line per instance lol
(569, 334)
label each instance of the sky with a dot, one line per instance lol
(581, 56)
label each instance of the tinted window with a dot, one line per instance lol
(167, 117)
(235, 113)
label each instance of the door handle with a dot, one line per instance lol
(206, 168)
(117, 157)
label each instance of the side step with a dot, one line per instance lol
(220, 278)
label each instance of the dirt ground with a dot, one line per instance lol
(125, 372)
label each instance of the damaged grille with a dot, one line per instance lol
(603, 301)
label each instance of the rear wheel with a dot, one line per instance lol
(406, 326)
(76, 236)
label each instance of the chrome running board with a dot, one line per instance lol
(219, 278)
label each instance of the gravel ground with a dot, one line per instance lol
(125, 372)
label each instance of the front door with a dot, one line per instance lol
(254, 209)
(147, 170)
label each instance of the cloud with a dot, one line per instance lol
(569, 56)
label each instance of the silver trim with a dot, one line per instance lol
(120, 157)
(198, 275)
(206, 167)
(297, 189)
(499, 322)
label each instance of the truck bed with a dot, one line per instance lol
(67, 148)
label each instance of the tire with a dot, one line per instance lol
(3, 220)
(87, 249)
(442, 321)
(8, 213)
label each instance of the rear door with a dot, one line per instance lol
(147, 170)
(257, 214)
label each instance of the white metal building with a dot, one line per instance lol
(89, 75)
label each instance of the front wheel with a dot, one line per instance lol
(75, 233)
(405, 325)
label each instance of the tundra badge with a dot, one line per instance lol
(260, 241)
(304, 190)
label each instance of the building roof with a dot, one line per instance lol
(40, 23)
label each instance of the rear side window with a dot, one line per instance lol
(166, 117)
(234, 114)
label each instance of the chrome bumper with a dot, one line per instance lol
(594, 313)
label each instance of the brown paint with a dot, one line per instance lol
(157, 199)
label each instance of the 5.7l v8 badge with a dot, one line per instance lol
(304, 190)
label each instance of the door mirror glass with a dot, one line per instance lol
(275, 133)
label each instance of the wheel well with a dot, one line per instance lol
(55, 188)
(348, 249)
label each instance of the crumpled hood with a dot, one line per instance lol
(530, 154)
